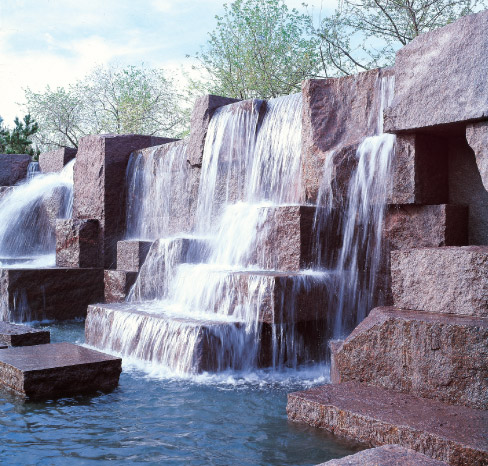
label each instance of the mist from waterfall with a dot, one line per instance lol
(27, 216)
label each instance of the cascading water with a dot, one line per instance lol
(32, 170)
(27, 215)
(358, 263)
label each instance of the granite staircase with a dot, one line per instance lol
(415, 374)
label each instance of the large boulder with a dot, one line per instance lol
(440, 77)
(13, 168)
(54, 161)
(477, 136)
(337, 112)
(99, 184)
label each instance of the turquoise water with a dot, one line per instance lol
(153, 419)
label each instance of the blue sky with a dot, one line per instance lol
(56, 42)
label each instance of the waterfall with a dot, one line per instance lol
(32, 170)
(157, 173)
(358, 218)
(27, 218)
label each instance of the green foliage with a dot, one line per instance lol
(364, 34)
(18, 140)
(108, 100)
(261, 49)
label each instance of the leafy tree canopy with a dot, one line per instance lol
(108, 100)
(19, 139)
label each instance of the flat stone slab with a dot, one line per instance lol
(375, 416)
(59, 369)
(21, 335)
(432, 355)
(388, 455)
(447, 279)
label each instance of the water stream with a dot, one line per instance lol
(27, 218)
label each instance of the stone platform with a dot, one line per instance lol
(51, 293)
(21, 335)
(388, 455)
(432, 355)
(375, 416)
(59, 369)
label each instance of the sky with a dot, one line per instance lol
(56, 42)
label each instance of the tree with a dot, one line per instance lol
(364, 34)
(261, 49)
(18, 140)
(108, 100)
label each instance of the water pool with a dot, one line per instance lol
(154, 419)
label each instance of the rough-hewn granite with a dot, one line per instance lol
(466, 187)
(56, 293)
(431, 355)
(387, 455)
(419, 170)
(13, 168)
(22, 335)
(78, 243)
(56, 370)
(417, 226)
(202, 112)
(131, 254)
(477, 136)
(99, 180)
(440, 77)
(55, 160)
(118, 284)
(336, 113)
(5, 190)
(375, 416)
(448, 279)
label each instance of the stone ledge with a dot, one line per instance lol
(448, 279)
(52, 293)
(59, 369)
(438, 356)
(21, 335)
(374, 416)
(388, 455)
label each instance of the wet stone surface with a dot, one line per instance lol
(60, 369)
(21, 335)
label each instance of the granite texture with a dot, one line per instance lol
(336, 113)
(22, 335)
(78, 243)
(388, 455)
(447, 280)
(477, 136)
(419, 173)
(466, 187)
(440, 77)
(430, 355)
(131, 254)
(54, 161)
(58, 370)
(375, 416)
(13, 168)
(99, 180)
(55, 293)
(117, 285)
(202, 112)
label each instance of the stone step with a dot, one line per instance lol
(197, 342)
(375, 417)
(22, 335)
(387, 455)
(59, 369)
(50, 293)
(432, 355)
(448, 279)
